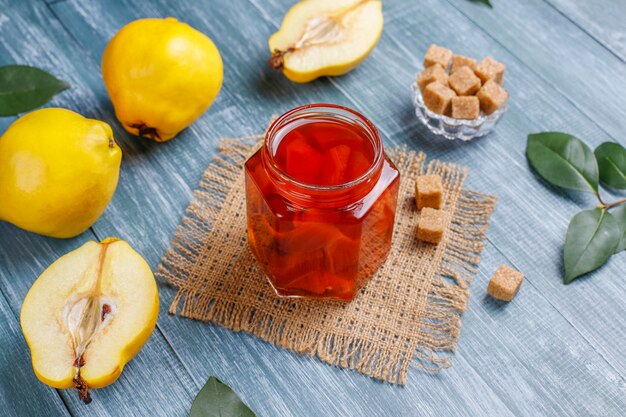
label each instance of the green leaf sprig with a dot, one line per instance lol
(24, 88)
(565, 161)
(217, 399)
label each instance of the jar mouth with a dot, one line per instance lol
(323, 110)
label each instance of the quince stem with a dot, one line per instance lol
(277, 61)
(607, 206)
(615, 203)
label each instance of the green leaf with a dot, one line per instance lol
(620, 215)
(611, 158)
(485, 2)
(216, 399)
(592, 237)
(24, 88)
(563, 160)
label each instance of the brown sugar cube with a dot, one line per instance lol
(437, 55)
(464, 82)
(505, 283)
(459, 61)
(431, 225)
(428, 191)
(432, 74)
(490, 69)
(465, 107)
(438, 98)
(491, 96)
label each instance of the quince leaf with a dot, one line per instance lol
(611, 158)
(485, 2)
(563, 160)
(592, 237)
(217, 399)
(24, 88)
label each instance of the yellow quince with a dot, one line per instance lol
(58, 172)
(161, 75)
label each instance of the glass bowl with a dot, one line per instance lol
(451, 128)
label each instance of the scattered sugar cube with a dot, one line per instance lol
(505, 283)
(490, 69)
(465, 107)
(459, 61)
(431, 225)
(437, 55)
(438, 97)
(431, 74)
(464, 82)
(491, 96)
(428, 191)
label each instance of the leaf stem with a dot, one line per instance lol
(600, 199)
(613, 204)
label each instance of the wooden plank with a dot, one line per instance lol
(388, 107)
(591, 77)
(562, 40)
(529, 353)
(277, 382)
(31, 35)
(157, 179)
(536, 214)
(188, 336)
(393, 104)
(23, 256)
(20, 391)
(604, 21)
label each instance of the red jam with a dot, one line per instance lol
(321, 201)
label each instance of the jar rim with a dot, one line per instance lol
(369, 128)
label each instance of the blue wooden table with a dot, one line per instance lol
(555, 350)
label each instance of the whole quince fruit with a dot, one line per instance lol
(161, 75)
(325, 37)
(88, 314)
(58, 172)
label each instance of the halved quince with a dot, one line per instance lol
(325, 37)
(88, 314)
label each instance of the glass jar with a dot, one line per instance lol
(321, 199)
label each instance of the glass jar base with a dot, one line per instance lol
(326, 295)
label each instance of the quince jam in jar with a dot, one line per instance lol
(321, 200)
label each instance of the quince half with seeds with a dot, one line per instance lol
(325, 37)
(88, 314)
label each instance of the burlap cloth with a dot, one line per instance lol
(409, 313)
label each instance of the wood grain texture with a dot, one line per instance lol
(602, 309)
(555, 350)
(23, 256)
(20, 391)
(588, 75)
(531, 211)
(603, 20)
(30, 35)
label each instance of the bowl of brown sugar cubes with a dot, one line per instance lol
(458, 97)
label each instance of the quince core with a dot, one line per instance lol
(88, 314)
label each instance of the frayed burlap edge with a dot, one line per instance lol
(447, 293)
